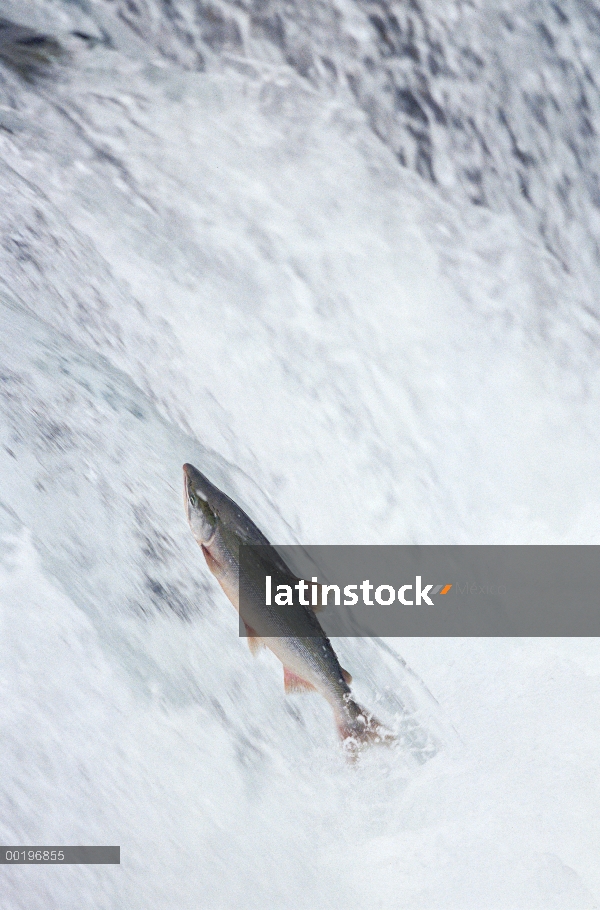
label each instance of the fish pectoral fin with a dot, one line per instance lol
(211, 562)
(255, 643)
(294, 683)
(346, 676)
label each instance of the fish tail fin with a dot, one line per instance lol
(359, 728)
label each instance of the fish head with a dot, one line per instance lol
(202, 517)
(219, 525)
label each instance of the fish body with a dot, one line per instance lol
(294, 634)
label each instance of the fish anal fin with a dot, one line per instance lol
(294, 683)
(346, 676)
(254, 642)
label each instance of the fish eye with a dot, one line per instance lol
(198, 502)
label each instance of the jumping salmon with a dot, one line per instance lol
(309, 661)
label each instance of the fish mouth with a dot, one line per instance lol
(186, 494)
(190, 492)
(190, 474)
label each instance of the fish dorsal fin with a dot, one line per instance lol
(255, 643)
(295, 683)
(319, 606)
(346, 676)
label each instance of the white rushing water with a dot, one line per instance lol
(224, 242)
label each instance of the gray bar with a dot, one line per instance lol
(422, 591)
(59, 856)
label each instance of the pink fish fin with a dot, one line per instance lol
(254, 642)
(346, 676)
(295, 683)
(211, 562)
(359, 728)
